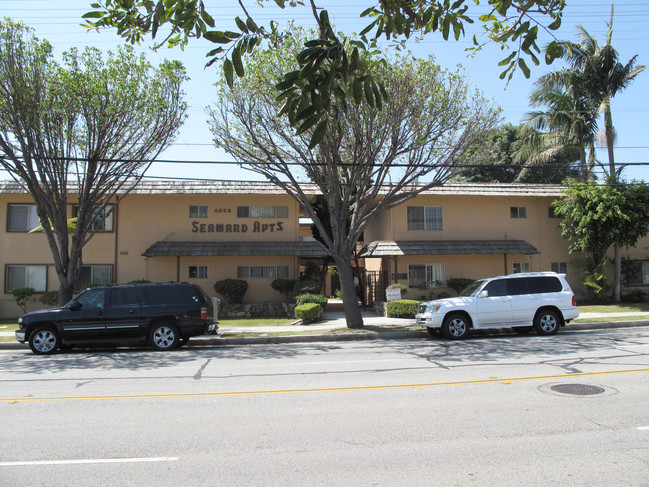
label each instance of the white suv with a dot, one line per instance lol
(539, 300)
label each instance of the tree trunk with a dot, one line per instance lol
(66, 291)
(617, 274)
(350, 299)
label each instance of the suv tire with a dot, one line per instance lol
(44, 341)
(546, 322)
(455, 326)
(164, 336)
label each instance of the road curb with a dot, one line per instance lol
(213, 341)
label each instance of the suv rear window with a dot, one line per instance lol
(533, 285)
(168, 294)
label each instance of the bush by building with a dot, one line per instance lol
(402, 308)
(308, 312)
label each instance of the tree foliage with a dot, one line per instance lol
(501, 159)
(380, 159)
(330, 73)
(597, 216)
(87, 126)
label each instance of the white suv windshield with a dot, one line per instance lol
(472, 288)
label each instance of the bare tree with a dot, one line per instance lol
(80, 132)
(377, 160)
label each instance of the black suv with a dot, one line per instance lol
(164, 314)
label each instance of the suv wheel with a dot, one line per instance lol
(455, 327)
(546, 322)
(44, 341)
(164, 336)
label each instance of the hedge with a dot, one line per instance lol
(402, 308)
(308, 312)
(312, 298)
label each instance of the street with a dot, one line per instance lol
(484, 411)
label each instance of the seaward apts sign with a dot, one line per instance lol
(255, 226)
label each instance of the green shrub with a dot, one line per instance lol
(232, 290)
(22, 295)
(313, 298)
(50, 298)
(139, 281)
(307, 287)
(633, 296)
(402, 308)
(284, 286)
(458, 284)
(308, 312)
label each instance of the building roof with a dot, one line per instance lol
(447, 247)
(261, 187)
(308, 248)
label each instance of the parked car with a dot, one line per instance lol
(165, 315)
(542, 301)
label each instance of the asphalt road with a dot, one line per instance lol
(484, 411)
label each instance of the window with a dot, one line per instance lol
(428, 275)
(559, 267)
(198, 272)
(262, 271)
(518, 212)
(34, 276)
(22, 218)
(96, 275)
(521, 267)
(425, 218)
(197, 211)
(638, 272)
(103, 218)
(262, 211)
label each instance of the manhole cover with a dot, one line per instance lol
(578, 389)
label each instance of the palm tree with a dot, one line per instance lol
(600, 74)
(568, 126)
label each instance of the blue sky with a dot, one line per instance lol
(59, 23)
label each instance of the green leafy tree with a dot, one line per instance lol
(595, 217)
(380, 159)
(80, 132)
(330, 73)
(22, 295)
(498, 160)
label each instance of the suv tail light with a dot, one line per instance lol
(574, 300)
(204, 313)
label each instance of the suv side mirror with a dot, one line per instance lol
(483, 294)
(75, 306)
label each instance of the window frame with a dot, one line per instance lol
(262, 272)
(429, 275)
(518, 211)
(262, 211)
(81, 285)
(38, 289)
(201, 211)
(433, 218)
(30, 217)
(108, 211)
(524, 267)
(198, 271)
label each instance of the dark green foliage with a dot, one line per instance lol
(307, 287)
(458, 284)
(139, 281)
(402, 308)
(22, 295)
(634, 296)
(49, 298)
(284, 286)
(313, 298)
(308, 312)
(232, 290)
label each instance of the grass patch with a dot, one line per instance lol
(611, 319)
(614, 308)
(251, 322)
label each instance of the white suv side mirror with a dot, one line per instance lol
(483, 294)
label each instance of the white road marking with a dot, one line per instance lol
(89, 460)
